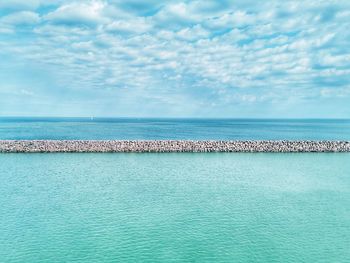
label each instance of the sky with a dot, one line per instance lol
(217, 59)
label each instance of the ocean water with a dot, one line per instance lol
(177, 129)
(190, 207)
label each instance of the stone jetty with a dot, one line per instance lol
(158, 146)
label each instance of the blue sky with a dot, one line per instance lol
(113, 58)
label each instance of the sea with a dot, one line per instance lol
(174, 207)
(173, 129)
(202, 207)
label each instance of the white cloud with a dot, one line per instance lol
(194, 33)
(209, 7)
(6, 30)
(335, 60)
(21, 18)
(140, 7)
(88, 13)
(135, 25)
(19, 4)
(175, 15)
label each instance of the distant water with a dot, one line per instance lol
(174, 208)
(177, 129)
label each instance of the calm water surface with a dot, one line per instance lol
(215, 207)
(166, 129)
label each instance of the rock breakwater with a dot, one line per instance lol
(33, 146)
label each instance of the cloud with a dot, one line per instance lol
(21, 18)
(140, 7)
(191, 34)
(78, 13)
(221, 54)
(16, 5)
(176, 15)
(135, 25)
(209, 7)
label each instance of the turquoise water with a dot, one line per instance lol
(177, 129)
(174, 207)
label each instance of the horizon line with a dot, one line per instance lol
(162, 117)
